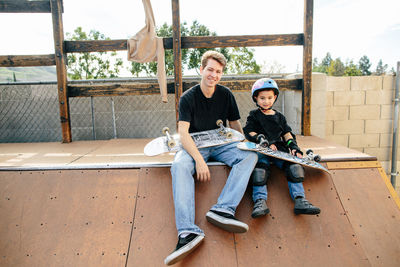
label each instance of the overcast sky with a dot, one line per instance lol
(347, 29)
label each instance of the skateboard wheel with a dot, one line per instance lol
(229, 135)
(165, 130)
(309, 151)
(317, 158)
(171, 143)
(219, 122)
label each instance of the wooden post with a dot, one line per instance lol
(60, 57)
(176, 41)
(307, 67)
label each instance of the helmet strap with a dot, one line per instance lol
(263, 109)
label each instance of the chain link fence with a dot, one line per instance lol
(30, 113)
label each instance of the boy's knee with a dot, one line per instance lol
(295, 173)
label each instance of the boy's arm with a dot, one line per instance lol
(292, 145)
(203, 173)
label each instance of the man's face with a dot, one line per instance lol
(211, 74)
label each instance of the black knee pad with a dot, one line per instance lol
(295, 173)
(260, 175)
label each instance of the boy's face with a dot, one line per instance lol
(211, 74)
(266, 99)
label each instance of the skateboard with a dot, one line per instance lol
(171, 143)
(309, 160)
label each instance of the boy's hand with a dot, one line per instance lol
(273, 147)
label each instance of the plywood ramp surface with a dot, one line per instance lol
(66, 218)
(279, 239)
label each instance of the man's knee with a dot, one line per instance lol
(260, 175)
(295, 173)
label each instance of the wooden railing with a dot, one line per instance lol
(177, 43)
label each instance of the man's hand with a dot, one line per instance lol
(202, 171)
(273, 147)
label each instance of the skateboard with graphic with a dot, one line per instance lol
(309, 160)
(171, 143)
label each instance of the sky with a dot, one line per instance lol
(347, 29)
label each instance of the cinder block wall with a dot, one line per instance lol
(356, 112)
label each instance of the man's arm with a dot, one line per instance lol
(203, 173)
(236, 126)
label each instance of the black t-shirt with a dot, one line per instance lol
(203, 113)
(273, 127)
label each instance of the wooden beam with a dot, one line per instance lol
(191, 42)
(152, 88)
(58, 33)
(21, 6)
(307, 67)
(27, 60)
(242, 41)
(176, 35)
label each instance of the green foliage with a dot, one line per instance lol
(380, 68)
(364, 65)
(96, 65)
(240, 60)
(338, 68)
(352, 69)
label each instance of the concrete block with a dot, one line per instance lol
(318, 99)
(318, 82)
(365, 83)
(337, 83)
(366, 112)
(337, 113)
(382, 154)
(364, 140)
(328, 128)
(349, 127)
(385, 140)
(379, 97)
(341, 139)
(389, 82)
(318, 129)
(329, 98)
(386, 111)
(378, 126)
(349, 98)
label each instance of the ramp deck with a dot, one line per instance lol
(103, 203)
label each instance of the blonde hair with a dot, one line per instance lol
(214, 55)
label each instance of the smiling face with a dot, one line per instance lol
(211, 74)
(266, 99)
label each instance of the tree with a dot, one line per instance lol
(240, 60)
(336, 68)
(380, 68)
(364, 65)
(96, 65)
(352, 69)
(325, 63)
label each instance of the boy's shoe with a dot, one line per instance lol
(226, 221)
(260, 208)
(302, 206)
(183, 248)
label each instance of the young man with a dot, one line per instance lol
(199, 109)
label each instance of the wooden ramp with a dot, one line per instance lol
(125, 218)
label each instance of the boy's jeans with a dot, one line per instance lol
(260, 192)
(183, 182)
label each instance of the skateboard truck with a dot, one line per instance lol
(263, 142)
(170, 141)
(223, 130)
(311, 156)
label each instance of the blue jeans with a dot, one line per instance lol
(183, 183)
(260, 192)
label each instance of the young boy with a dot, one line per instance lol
(272, 124)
